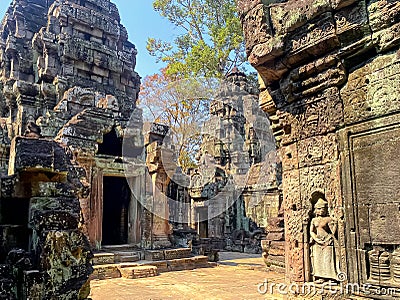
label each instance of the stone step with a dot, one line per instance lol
(141, 269)
(106, 271)
(167, 254)
(179, 264)
(187, 263)
(126, 247)
(103, 258)
(128, 258)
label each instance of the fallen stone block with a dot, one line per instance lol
(102, 272)
(139, 272)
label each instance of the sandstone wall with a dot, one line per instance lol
(329, 74)
(67, 80)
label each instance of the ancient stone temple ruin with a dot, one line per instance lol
(231, 201)
(67, 91)
(330, 74)
(77, 173)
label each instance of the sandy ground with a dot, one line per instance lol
(237, 276)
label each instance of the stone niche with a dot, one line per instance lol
(329, 73)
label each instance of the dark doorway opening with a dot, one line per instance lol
(112, 144)
(14, 230)
(116, 198)
(202, 221)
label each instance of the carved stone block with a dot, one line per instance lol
(289, 157)
(288, 16)
(352, 23)
(375, 184)
(291, 190)
(372, 90)
(320, 115)
(28, 154)
(318, 150)
(316, 39)
(387, 38)
(314, 77)
(383, 14)
(255, 27)
(266, 53)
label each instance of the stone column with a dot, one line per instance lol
(158, 160)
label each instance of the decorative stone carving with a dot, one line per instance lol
(322, 239)
(234, 190)
(329, 74)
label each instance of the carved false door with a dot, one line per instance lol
(371, 168)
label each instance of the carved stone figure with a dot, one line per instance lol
(322, 232)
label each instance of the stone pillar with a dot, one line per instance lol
(305, 118)
(159, 159)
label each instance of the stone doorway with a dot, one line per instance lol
(202, 221)
(116, 201)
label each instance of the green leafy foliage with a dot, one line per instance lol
(211, 43)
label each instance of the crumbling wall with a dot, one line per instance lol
(67, 79)
(51, 256)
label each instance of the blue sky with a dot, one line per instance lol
(141, 22)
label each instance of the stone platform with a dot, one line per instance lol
(147, 268)
(129, 262)
(236, 276)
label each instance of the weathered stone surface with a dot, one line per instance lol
(8, 285)
(102, 272)
(67, 74)
(103, 258)
(329, 72)
(154, 255)
(65, 262)
(371, 90)
(139, 272)
(234, 191)
(33, 154)
(288, 16)
(177, 253)
(33, 281)
(256, 21)
(352, 24)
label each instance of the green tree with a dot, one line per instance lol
(211, 43)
